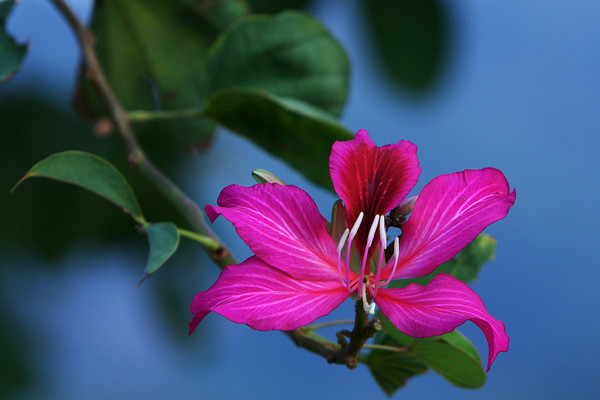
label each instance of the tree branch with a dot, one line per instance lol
(136, 156)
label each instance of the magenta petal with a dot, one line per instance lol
(264, 298)
(282, 226)
(372, 179)
(438, 308)
(449, 213)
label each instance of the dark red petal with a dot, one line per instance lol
(372, 179)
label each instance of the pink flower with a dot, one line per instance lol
(300, 271)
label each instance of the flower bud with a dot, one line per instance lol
(262, 176)
(398, 215)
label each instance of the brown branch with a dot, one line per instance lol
(136, 156)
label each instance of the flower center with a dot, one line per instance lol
(363, 282)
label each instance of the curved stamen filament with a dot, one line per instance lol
(396, 256)
(382, 242)
(339, 251)
(363, 264)
(353, 232)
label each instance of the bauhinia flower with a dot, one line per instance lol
(303, 267)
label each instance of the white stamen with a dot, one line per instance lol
(382, 231)
(356, 224)
(342, 241)
(372, 232)
(382, 242)
(349, 246)
(396, 256)
(363, 265)
(339, 251)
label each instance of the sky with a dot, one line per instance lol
(521, 92)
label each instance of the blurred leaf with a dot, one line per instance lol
(451, 362)
(220, 13)
(275, 6)
(391, 369)
(411, 38)
(289, 55)
(163, 239)
(154, 55)
(451, 355)
(297, 132)
(465, 266)
(89, 172)
(11, 53)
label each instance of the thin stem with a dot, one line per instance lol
(148, 116)
(135, 155)
(206, 241)
(328, 324)
(384, 347)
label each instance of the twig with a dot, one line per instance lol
(135, 155)
(148, 116)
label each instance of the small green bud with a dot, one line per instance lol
(262, 176)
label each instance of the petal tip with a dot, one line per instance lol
(211, 212)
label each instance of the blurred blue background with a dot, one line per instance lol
(520, 91)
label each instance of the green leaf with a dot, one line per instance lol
(290, 55)
(11, 53)
(451, 362)
(154, 56)
(163, 239)
(297, 132)
(465, 266)
(411, 37)
(391, 369)
(451, 355)
(89, 172)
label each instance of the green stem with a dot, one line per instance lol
(147, 116)
(206, 241)
(388, 348)
(328, 324)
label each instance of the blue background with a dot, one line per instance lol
(521, 92)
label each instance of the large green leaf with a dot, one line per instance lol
(92, 173)
(451, 355)
(411, 38)
(391, 369)
(465, 266)
(163, 239)
(154, 55)
(297, 132)
(11, 53)
(451, 362)
(289, 55)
